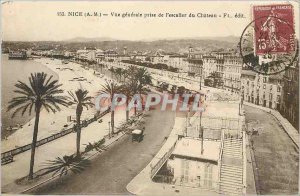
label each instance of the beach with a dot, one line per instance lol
(51, 123)
(11, 72)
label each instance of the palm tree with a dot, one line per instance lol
(63, 165)
(111, 88)
(119, 72)
(129, 90)
(124, 74)
(143, 77)
(42, 92)
(80, 99)
(101, 65)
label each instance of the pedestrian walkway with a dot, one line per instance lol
(287, 126)
(63, 146)
(142, 184)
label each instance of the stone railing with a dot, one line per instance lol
(159, 164)
(8, 154)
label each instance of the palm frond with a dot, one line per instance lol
(63, 165)
(41, 91)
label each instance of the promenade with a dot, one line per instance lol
(54, 123)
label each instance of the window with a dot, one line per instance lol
(278, 89)
(278, 98)
(265, 79)
(264, 86)
(185, 170)
(208, 175)
(270, 96)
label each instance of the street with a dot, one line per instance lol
(275, 154)
(112, 170)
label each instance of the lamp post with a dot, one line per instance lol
(201, 130)
(109, 129)
(200, 71)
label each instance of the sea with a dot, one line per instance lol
(13, 71)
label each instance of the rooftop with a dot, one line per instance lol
(189, 147)
(222, 109)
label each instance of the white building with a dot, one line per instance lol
(193, 168)
(178, 61)
(264, 90)
(88, 54)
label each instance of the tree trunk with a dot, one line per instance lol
(78, 127)
(127, 111)
(112, 122)
(34, 140)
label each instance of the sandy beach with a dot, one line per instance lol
(51, 123)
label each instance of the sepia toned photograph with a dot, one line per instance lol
(149, 97)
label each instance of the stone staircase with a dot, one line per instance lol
(233, 148)
(231, 182)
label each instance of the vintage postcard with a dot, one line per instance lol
(150, 97)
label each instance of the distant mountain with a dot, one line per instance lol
(101, 39)
(85, 39)
(234, 39)
(173, 45)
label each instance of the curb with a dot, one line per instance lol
(268, 110)
(57, 175)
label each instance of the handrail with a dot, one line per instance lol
(158, 165)
(220, 155)
(43, 141)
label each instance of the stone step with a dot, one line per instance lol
(231, 170)
(230, 183)
(232, 166)
(232, 150)
(231, 180)
(231, 175)
(233, 140)
(231, 187)
(229, 191)
(232, 154)
(232, 146)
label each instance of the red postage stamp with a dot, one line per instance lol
(274, 29)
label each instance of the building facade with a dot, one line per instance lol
(263, 90)
(290, 95)
(231, 67)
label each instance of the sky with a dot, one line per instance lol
(38, 21)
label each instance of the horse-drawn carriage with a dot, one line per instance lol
(137, 135)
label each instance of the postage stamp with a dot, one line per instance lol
(267, 44)
(274, 29)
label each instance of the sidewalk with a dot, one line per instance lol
(14, 188)
(289, 129)
(63, 146)
(142, 183)
(250, 180)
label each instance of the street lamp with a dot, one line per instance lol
(200, 71)
(201, 132)
(109, 129)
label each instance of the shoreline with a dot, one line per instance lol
(23, 135)
(9, 74)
